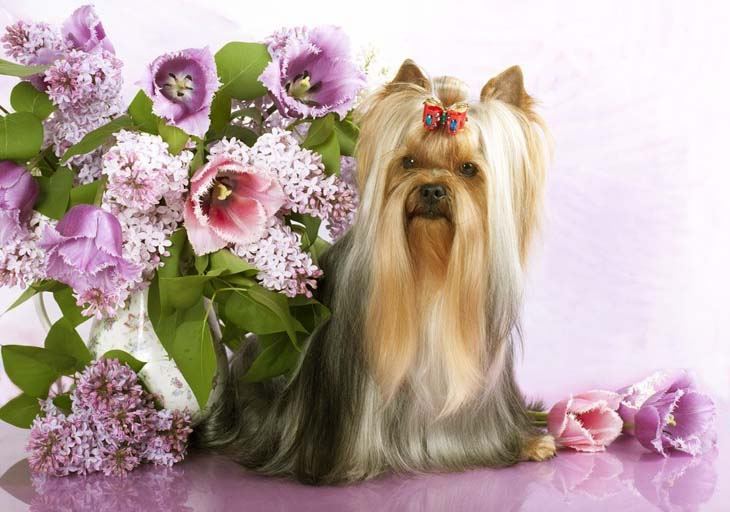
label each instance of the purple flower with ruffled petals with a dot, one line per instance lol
(18, 192)
(665, 411)
(84, 251)
(83, 30)
(312, 73)
(181, 86)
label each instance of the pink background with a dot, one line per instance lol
(631, 271)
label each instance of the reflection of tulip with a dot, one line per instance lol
(592, 474)
(676, 483)
(229, 204)
(18, 192)
(587, 422)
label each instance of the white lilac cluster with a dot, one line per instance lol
(145, 190)
(22, 261)
(282, 264)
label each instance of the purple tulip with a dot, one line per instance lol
(84, 31)
(85, 252)
(665, 411)
(18, 192)
(312, 73)
(181, 86)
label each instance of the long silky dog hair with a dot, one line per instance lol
(414, 369)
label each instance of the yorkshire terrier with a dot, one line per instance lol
(414, 370)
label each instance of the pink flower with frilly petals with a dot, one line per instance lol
(587, 422)
(229, 203)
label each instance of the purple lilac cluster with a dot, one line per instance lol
(83, 80)
(146, 186)
(113, 427)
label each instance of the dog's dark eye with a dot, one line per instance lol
(408, 162)
(468, 169)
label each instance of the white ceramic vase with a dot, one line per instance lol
(131, 331)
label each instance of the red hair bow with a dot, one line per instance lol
(435, 116)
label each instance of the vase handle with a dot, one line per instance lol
(40, 310)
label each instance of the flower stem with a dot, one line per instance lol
(538, 415)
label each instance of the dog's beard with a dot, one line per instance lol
(426, 324)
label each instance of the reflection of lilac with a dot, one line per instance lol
(312, 72)
(148, 488)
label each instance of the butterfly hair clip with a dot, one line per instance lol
(436, 116)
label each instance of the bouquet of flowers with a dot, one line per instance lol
(209, 191)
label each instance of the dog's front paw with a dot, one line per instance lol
(539, 448)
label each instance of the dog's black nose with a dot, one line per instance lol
(432, 193)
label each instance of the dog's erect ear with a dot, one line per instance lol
(409, 72)
(508, 86)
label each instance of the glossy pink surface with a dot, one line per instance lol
(626, 478)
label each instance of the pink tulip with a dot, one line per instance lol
(587, 422)
(229, 203)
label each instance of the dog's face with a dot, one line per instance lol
(444, 224)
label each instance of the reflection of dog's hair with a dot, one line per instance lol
(413, 371)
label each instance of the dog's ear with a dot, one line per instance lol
(411, 73)
(508, 86)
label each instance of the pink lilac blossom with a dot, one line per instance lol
(32, 43)
(113, 427)
(282, 264)
(301, 174)
(23, 261)
(145, 191)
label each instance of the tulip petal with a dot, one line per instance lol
(203, 239)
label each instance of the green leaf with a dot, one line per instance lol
(62, 338)
(319, 131)
(186, 337)
(26, 98)
(174, 136)
(261, 311)
(33, 289)
(198, 158)
(55, 193)
(84, 194)
(311, 228)
(330, 151)
(251, 112)
(34, 369)
(239, 67)
(20, 411)
(63, 402)
(220, 112)
(8, 68)
(96, 138)
(224, 262)
(318, 248)
(309, 312)
(140, 110)
(67, 304)
(125, 358)
(347, 134)
(181, 292)
(201, 263)
(279, 356)
(171, 264)
(21, 136)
